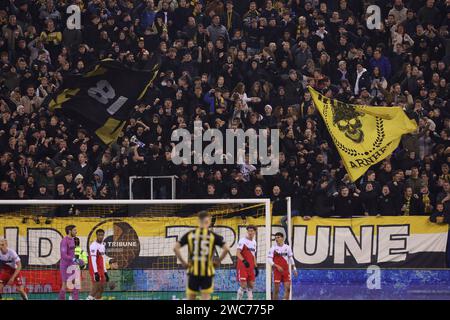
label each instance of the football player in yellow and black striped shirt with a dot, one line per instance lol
(200, 265)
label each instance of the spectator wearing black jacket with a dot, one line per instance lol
(387, 206)
(43, 193)
(346, 204)
(5, 191)
(279, 202)
(323, 205)
(396, 186)
(439, 215)
(369, 200)
(199, 184)
(361, 79)
(428, 201)
(411, 205)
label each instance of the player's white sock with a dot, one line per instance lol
(249, 294)
(240, 293)
(90, 297)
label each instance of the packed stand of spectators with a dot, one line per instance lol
(232, 64)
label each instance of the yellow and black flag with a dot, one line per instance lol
(363, 135)
(102, 99)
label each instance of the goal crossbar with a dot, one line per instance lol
(124, 202)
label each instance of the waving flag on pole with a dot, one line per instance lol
(102, 99)
(363, 135)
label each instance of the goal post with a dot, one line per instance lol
(289, 233)
(140, 235)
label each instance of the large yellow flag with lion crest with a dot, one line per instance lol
(363, 135)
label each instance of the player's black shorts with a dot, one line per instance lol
(199, 284)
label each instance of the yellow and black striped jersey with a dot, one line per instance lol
(201, 245)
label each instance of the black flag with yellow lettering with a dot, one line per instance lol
(363, 135)
(102, 99)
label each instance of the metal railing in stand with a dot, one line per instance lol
(151, 178)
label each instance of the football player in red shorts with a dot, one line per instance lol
(247, 269)
(97, 266)
(10, 267)
(280, 257)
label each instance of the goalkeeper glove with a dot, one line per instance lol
(256, 272)
(106, 276)
(246, 264)
(97, 277)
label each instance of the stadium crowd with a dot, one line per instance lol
(230, 64)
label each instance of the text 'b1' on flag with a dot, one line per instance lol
(102, 99)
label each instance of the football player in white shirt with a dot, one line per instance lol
(247, 268)
(10, 267)
(280, 257)
(97, 266)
